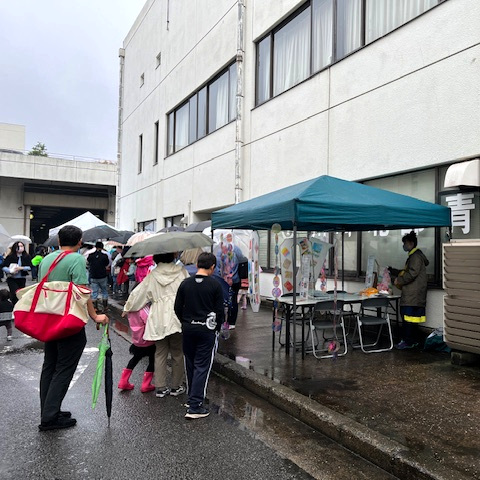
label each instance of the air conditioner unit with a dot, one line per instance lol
(461, 306)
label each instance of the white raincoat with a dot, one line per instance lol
(160, 289)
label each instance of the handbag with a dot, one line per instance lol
(51, 310)
(243, 270)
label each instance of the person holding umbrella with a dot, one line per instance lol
(163, 327)
(61, 357)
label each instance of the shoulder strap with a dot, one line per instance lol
(54, 264)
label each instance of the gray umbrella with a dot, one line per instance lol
(101, 231)
(199, 226)
(169, 242)
(172, 228)
(123, 236)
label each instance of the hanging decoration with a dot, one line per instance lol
(276, 291)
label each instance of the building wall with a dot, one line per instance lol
(18, 169)
(409, 100)
(12, 137)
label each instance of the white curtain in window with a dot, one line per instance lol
(383, 16)
(349, 26)
(263, 70)
(181, 127)
(322, 22)
(291, 57)
(218, 103)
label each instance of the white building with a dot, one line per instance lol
(222, 101)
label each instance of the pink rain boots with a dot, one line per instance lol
(146, 384)
(123, 384)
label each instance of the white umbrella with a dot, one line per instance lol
(139, 237)
(5, 238)
(21, 238)
(168, 243)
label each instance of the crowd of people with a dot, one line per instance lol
(176, 304)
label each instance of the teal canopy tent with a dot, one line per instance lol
(330, 204)
(326, 204)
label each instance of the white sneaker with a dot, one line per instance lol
(9, 338)
(231, 327)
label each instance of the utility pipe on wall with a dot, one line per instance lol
(239, 100)
(121, 55)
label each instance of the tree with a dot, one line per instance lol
(40, 150)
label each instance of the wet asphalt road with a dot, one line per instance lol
(244, 437)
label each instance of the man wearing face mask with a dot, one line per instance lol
(17, 265)
(412, 280)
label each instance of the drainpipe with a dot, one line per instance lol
(239, 99)
(121, 55)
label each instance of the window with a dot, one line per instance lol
(383, 17)
(192, 105)
(170, 130)
(171, 221)
(218, 103)
(148, 226)
(263, 70)
(386, 245)
(348, 26)
(322, 32)
(181, 127)
(202, 113)
(291, 55)
(155, 136)
(140, 153)
(142, 79)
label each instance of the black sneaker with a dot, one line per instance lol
(175, 392)
(200, 412)
(60, 422)
(65, 414)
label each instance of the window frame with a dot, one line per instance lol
(200, 94)
(335, 57)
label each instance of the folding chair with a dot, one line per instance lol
(327, 316)
(382, 318)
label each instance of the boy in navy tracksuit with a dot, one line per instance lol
(199, 306)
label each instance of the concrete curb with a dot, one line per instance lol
(388, 454)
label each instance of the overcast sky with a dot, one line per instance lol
(59, 71)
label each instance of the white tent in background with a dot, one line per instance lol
(85, 221)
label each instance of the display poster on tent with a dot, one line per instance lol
(254, 272)
(312, 257)
(286, 266)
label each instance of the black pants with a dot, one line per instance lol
(199, 349)
(140, 352)
(59, 364)
(233, 311)
(13, 285)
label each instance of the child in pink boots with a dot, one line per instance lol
(140, 348)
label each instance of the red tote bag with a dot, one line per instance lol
(51, 310)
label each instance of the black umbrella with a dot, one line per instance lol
(123, 236)
(51, 241)
(173, 228)
(101, 231)
(199, 226)
(108, 381)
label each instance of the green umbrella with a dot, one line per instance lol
(104, 360)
